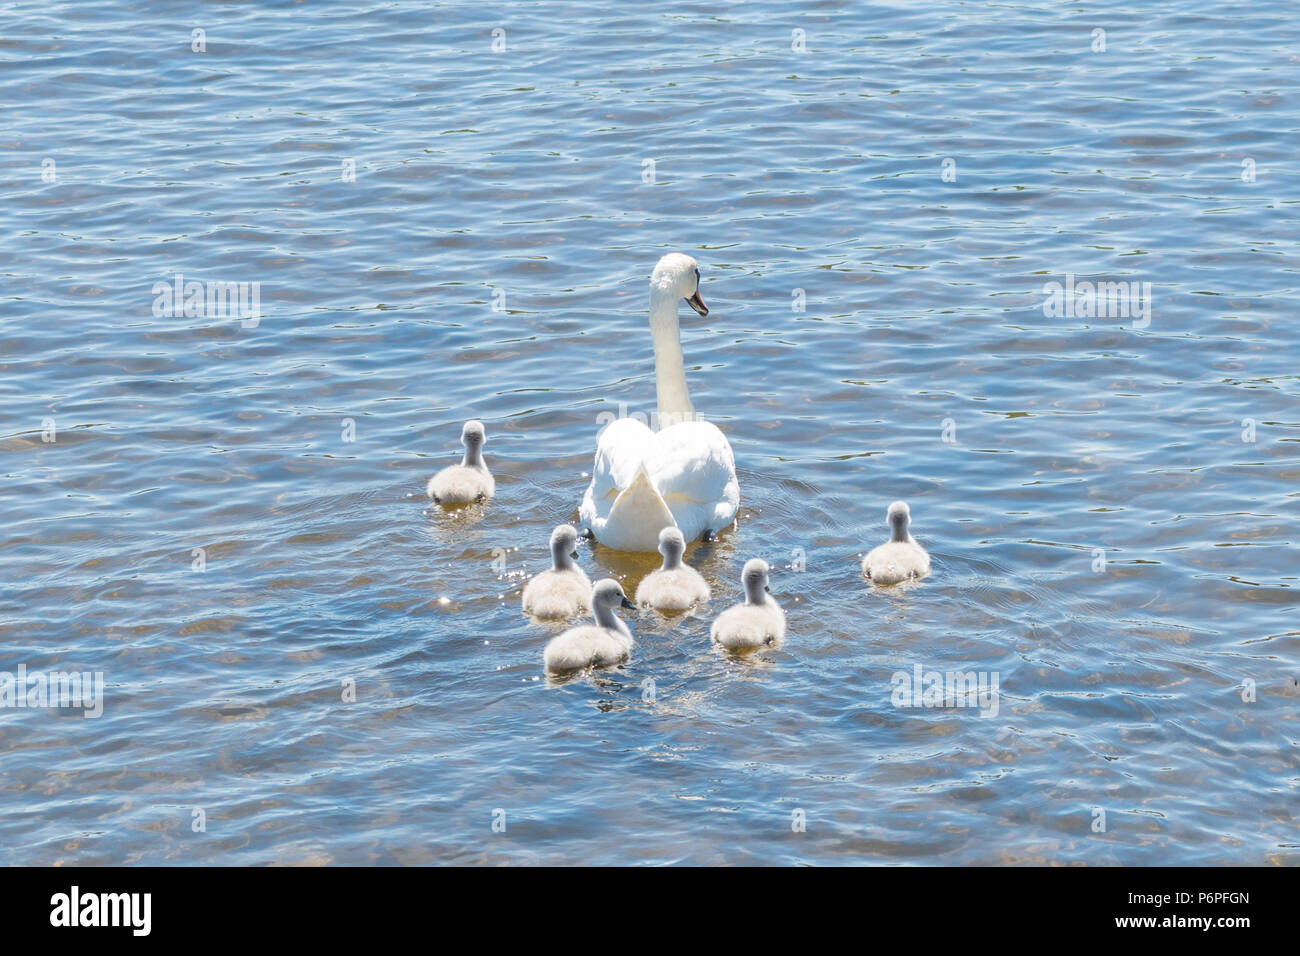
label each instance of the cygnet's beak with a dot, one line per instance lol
(696, 303)
(767, 588)
(573, 553)
(628, 604)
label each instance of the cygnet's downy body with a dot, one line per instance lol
(759, 621)
(901, 558)
(675, 586)
(606, 642)
(565, 589)
(470, 480)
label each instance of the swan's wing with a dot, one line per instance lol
(620, 449)
(695, 472)
(683, 475)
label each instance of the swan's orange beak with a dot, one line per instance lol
(696, 303)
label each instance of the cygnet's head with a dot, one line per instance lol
(679, 275)
(609, 593)
(899, 518)
(754, 578)
(564, 541)
(473, 435)
(672, 546)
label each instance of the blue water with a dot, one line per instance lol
(183, 511)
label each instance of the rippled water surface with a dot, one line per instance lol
(228, 518)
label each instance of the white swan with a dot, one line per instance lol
(675, 586)
(563, 590)
(608, 641)
(901, 557)
(682, 475)
(759, 621)
(468, 481)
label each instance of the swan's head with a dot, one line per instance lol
(564, 540)
(473, 435)
(609, 593)
(679, 275)
(754, 578)
(899, 518)
(672, 546)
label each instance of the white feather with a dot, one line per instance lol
(643, 481)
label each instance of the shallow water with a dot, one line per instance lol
(490, 260)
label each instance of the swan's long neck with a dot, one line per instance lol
(560, 556)
(672, 559)
(473, 456)
(670, 371)
(900, 533)
(606, 618)
(755, 592)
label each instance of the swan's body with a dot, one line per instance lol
(608, 641)
(758, 622)
(675, 586)
(470, 480)
(901, 558)
(683, 475)
(563, 591)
